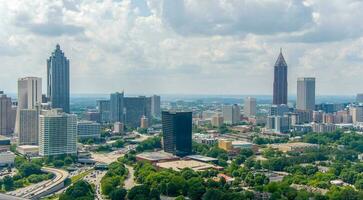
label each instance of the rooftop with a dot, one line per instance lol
(202, 158)
(192, 164)
(156, 156)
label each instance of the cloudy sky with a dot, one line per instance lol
(185, 46)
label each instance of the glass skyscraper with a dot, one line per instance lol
(58, 80)
(280, 81)
(177, 132)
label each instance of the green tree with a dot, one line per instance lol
(118, 194)
(196, 188)
(8, 183)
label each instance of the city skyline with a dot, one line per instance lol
(207, 52)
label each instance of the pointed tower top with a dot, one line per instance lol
(57, 46)
(280, 60)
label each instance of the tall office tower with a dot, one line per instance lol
(359, 98)
(103, 107)
(280, 81)
(5, 114)
(250, 106)
(58, 80)
(117, 107)
(29, 98)
(305, 93)
(231, 114)
(177, 132)
(357, 113)
(135, 108)
(155, 106)
(57, 133)
(217, 120)
(28, 126)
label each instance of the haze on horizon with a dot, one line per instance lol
(185, 46)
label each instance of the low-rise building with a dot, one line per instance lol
(28, 150)
(157, 156)
(88, 129)
(294, 147)
(4, 143)
(179, 165)
(7, 158)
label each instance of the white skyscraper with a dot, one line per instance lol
(57, 133)
(250, 106)
(29, 97)
(305, 93)
(231, 114)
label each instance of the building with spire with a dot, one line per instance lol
(280, 81)
(58, 88)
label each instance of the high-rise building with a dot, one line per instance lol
(280, 109)
(155, 106)
(305, 93)
(118, 128)
(117, 107)
(57, 133)
(280, 81)
(357, 113)
(231, 114)
(144, 122)
(177, 132)
(359, 98)
(29, 100)
(5, 114)
(28, 126)
(217, 120)
(58, 80)
(250, 106)
(103, 107)
(135, 109)
(88, 129)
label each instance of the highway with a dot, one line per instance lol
(36, 190)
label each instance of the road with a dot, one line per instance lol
(39, 188)
(95, 178)
(130, 180)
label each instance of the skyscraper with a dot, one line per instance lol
(117, 107)
(280, 81)
(29, 98)
(5, 114)
(250, 106)
(155, 106)
(135, 109)
(231, 114)
(58, 80)
(177, 132)
(305, 93)
(103, 107)
(57, 133)
(359, 98)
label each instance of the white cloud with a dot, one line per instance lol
(204, 46)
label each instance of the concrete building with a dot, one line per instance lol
(323, 127)
(28, 126)
(7, 158)
(117, 107)
(5, 115)
(58, 85)
(318, 116)
(217, 121)
(280, 81)
(103, 107)
(279, 110)
(305, 93)
(28, 150)
(359, 98)
(177, 132)
(294, 147)
(249, 107)
(135, 109)
(357, 113)
(57, 133)
(154, 157)
(231, 114)
(194, 165)
(304, 116)
(4, 143)
(118, 128)
(144, 122)
(88, 129)
(155, 106)
(282, 124)
(92, 115)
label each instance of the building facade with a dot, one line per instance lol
(231, 114)
(250, 107)
(305, 93)
(117, 107)
(5, 114)
(177, 132)
(280, 81)
(88, 129)
(155, 106)
(135, 109)
(58, 84)
(57, 133)
(103, 107)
